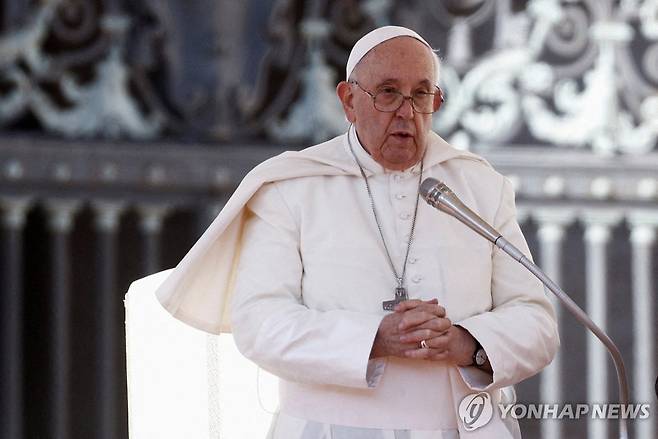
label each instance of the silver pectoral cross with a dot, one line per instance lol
(400, 295)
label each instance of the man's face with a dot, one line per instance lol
(395, 140)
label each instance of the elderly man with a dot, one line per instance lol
(380, 315)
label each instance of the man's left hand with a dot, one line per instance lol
(455, 345)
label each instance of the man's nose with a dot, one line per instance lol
(406, 110)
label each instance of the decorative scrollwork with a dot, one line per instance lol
(318, 111)
(276, 82)
(563, 84)
(570, 36)
(54, 82)
(76, 21)
(570, 73)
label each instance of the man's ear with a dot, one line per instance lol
(344, 92)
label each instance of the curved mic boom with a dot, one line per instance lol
(438, 195)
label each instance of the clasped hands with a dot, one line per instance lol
(401, 333)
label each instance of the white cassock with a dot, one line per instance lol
(313, 274)
(305, 265)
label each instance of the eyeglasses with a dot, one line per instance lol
(389, 100)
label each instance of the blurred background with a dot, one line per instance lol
(126, 125)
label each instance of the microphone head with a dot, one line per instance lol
(427, 186)
(441, 197)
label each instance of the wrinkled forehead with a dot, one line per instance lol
(375, 38)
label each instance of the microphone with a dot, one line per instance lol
(439, 196)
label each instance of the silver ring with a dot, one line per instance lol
(423, 344)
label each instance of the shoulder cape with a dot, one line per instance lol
(198, 290)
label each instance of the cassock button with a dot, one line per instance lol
(417, 278)
(413, 260)
(405, 216)
(400, 196)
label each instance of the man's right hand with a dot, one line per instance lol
(408, 316)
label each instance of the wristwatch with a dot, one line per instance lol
(479, 356)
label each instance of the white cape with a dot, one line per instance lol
(199, 289)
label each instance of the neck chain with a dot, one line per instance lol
(400, 291)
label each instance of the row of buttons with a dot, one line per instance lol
(405, 216)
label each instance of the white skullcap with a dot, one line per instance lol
(375, 38)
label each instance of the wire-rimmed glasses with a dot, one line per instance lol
(389, 100)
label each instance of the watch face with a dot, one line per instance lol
(480, 357)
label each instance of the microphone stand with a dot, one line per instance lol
(583, 318)
(440, 196)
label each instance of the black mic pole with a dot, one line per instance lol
(440, 196)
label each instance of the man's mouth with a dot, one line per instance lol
(401, 134)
